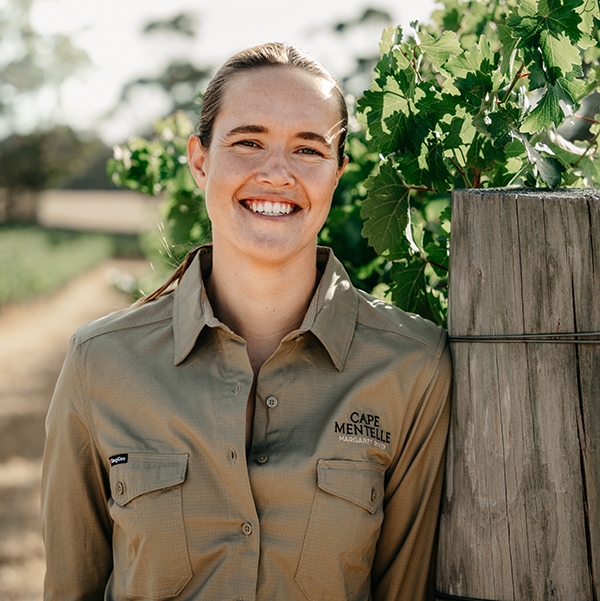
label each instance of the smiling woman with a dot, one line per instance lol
(207, 438)
(266, 149)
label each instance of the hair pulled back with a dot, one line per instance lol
(274, 54)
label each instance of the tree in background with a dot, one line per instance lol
(44, 153)
(180, 81)
(32, 67)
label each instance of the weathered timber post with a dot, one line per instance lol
(521, 509)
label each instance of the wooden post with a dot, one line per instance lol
(521, 509)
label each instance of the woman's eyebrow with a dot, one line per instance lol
(248, 129)
(313, 137)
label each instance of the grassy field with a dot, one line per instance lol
(35, 261)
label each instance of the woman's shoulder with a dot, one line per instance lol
(378, 314)
(133, 317)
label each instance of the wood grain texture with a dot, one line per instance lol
(521, 509)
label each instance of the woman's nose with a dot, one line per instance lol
(275, 170)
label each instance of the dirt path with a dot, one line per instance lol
(33, 342)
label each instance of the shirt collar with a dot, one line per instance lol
(331, 315)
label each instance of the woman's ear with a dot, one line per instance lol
(341, 169)
(197, 160)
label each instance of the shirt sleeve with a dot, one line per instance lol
(413, 492)
(76, 525)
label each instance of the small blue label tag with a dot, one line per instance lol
(116, 459)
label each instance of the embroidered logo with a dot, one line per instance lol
(116, 459)
(363, 428)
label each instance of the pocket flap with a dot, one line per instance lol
(360, 482)
(146, 472)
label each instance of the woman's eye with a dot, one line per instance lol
(310, 151)
(246, 143)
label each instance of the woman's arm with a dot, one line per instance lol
(413, 492)
(76, 525)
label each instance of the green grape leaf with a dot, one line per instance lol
(588, 10)
(437, 255)
(381, 108)
(501, 127)
(438, 177)
(550, 170)
(558, 53)
(559, 16)
(460, 131)
(446, 214)
(524, 25)
(438, 308)
(595, 127)
(411, 167)
(385, 209)
(408, 283)
(589, 168)
(547, 112)
(508, 48)
(391, 37)
(401, 251)
(479, 59)
(433, 105)
(572, 89)
(439, 50)
(475, 89)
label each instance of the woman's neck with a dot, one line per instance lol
(261, 302)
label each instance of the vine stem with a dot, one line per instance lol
(513, 83)
(418, 189)
(586, 118)
(590, 144)
(436, 264)
(462, 173)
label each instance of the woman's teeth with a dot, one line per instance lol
(265, 207)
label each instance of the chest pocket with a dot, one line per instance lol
(149, 533)
(345, 521)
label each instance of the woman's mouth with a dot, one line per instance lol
(272, 209)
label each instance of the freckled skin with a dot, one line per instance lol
(274, 139)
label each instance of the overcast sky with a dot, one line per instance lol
(110, 31)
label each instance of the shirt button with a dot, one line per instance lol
(247, 528)
(373, 495)
(271, 402)
(120, 488)
(262, 458)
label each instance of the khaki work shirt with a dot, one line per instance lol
(147, 489)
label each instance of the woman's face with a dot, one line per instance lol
(272, 167)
